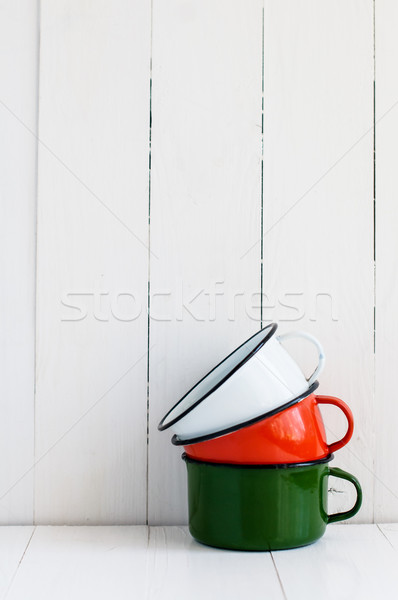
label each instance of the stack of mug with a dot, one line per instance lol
(256, 449)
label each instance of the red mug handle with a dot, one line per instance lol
(348, 414)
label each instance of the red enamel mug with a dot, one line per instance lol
(294, 435)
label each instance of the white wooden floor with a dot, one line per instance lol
(350, 561)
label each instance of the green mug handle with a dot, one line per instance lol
(336, 472)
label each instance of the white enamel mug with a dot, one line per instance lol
(257, 379)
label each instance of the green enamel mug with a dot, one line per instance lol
(262, 507)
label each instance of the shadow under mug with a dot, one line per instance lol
(296, 434)
(262, 507)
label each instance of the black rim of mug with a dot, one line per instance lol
(267, 335)
(176, 441)
(311, 463)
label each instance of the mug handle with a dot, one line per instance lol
(348, 415)
(336, 472)
(311, 338)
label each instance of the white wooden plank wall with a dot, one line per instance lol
(386, 469)
(318, 204)
(259, 177)
(90, 425)
(18, 157)
(205, 209)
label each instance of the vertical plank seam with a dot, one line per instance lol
(262, 177)
(36, 225)
(374, 241)
(149, 270)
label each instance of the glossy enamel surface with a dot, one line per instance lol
(297, 434)
(258, 377)
(261, 507)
